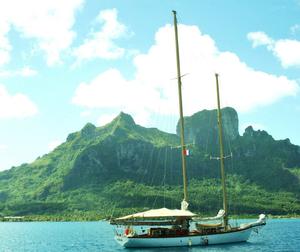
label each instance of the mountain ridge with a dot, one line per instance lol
(78, 173)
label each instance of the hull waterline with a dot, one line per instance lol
(189, 240)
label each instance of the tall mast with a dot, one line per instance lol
(183, 147)
(225, 205)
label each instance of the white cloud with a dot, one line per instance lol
(3, 147)
(49, 22)
(101, 44)
(24, 72)
(111, 90)
(86, 113)
(286, 50)
(105, 119)
(295, 29)
(4, 56)
(53, 144)
(5, 46)
(94, 94)
(27, 72)
(15, 106)
(259, 38)
(154, 89)
(5, 73)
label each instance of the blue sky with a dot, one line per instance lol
(66, 63)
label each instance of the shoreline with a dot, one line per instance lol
(41, 218)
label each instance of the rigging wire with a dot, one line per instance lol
(208, 133)
(231, 197)
(164, 177)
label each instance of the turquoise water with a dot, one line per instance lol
(277, 235)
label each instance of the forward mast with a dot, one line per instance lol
(184, 203)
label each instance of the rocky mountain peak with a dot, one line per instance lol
(88, 131)
(124, 119)
(262, 134)
(202, 127)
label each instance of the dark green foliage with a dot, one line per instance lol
(123, 167)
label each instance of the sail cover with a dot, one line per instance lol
(220, 215)
(159, 213)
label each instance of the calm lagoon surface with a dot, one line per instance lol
(277, 235)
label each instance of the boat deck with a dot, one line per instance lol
(167, 233)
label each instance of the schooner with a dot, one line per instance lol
(180, 227)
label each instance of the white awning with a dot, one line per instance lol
(159, 213)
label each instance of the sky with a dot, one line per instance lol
(66, 63)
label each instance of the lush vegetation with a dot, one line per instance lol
(122, 167)
(124, 197)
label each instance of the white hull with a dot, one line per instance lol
(189, 240)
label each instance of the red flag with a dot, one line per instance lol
(186, 152)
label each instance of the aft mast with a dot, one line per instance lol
(225, 204)
(184, 203)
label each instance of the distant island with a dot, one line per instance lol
(120, 167)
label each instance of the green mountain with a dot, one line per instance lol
(255, 155)
(122, 166)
